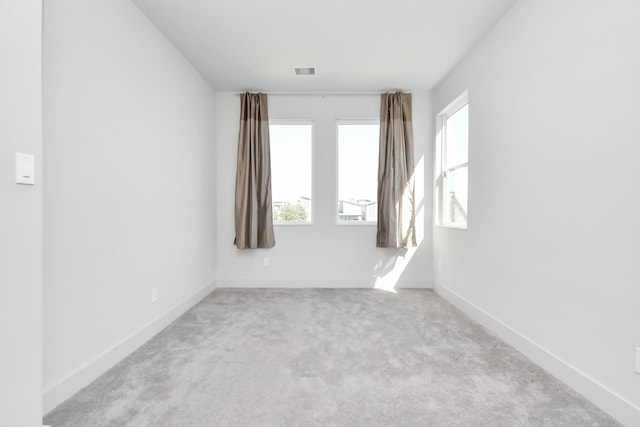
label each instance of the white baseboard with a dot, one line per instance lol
(83, 375)
(608, 400)
(317, 282)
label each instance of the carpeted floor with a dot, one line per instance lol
(325, 357)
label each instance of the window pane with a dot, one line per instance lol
(457, 134)
(455, 196)
(358, 172)
(291, 160)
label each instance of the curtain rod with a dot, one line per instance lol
(321, 93)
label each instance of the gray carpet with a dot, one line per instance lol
(325, 357)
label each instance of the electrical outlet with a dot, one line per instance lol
(267, 261)
(637, 360)
(154, 295)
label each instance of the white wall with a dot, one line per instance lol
(550, 259)
(323, 254)
(130, 187)
(20, 214)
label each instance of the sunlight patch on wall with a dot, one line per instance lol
(389, 269)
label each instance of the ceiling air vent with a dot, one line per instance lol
(305, 71)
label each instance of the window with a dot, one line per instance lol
(452, 163)
(358, 171)
(291, 171)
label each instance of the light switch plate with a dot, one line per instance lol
(25, 169)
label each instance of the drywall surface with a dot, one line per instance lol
(552, 245)
(323, 254)
(129, 198)
(20, 214)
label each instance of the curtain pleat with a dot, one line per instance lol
(253, 217)
(396, 189)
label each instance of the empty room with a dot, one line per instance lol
(336, 213)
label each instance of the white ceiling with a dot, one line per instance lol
(355, 45)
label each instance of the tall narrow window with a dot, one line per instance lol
(291, 171)
(358, 171)
(452, 163)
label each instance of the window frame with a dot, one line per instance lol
(281, 122)
(357, 121)
(440, 161)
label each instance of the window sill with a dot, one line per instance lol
(292, 223)
(452, 226)
(356, 223)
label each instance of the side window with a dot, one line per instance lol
(452, 163)
(291, 171)
(358, 143)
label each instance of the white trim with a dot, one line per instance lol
(599, 394)
(315, 282)
(439, 180)
(83, 375)
(455, 105)
(453, 226)
(357, 223)
(280, 122)
(455, 167)
(295, 223)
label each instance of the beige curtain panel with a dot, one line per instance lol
(253, 218)
(396, 193)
